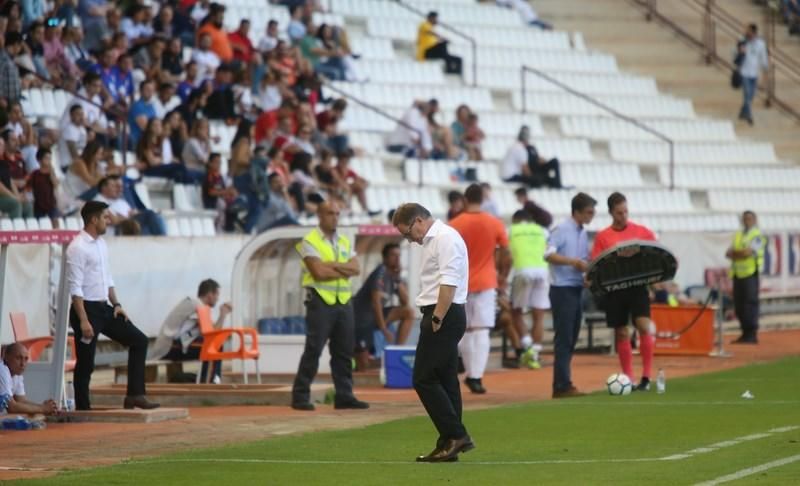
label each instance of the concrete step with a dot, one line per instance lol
(191, 395)
(121, 415)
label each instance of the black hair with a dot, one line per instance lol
(454, 196)
(91, 210)
(521, 215)
(42, 152)
(474, 194)
(582, 201)
(387, 248)
(207, 286)
(615, 199)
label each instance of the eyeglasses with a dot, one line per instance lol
(407, 234)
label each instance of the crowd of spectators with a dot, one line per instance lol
(151, 78)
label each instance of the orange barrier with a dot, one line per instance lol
(673, 338)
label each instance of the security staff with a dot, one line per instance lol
(444, 272)
(747, 260)
(328, 264)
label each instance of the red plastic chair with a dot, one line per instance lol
(214, 340)
(36, 345)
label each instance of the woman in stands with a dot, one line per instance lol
(80, 181)
(154, 157)
(197, 149)
(443, 146)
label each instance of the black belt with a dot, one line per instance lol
(429, 308)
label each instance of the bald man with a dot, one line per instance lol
(329, 261)
(12, 388)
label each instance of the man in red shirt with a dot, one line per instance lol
(240, 42)
(486, 239)
(632, 303)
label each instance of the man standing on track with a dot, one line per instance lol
(633, 303)
(484, 236)
(747, 259)
(443, 292)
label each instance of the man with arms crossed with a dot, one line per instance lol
(633, 303)
(443, 293)
(568, 256)
(484, 236)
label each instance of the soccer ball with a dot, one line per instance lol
(619, 384)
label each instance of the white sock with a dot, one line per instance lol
(465, 350)
(526, 342)
(480, 353)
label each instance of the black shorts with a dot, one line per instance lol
(365, 326)
(623, 306)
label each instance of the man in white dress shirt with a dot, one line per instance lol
(96, 309)
(443, 293)
(755, 60)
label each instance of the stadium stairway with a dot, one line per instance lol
(619, 28)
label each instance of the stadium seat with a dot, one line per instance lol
(36, 345)
(6, 224)
(19, 224)
(215, 339)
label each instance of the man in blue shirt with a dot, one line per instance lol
(141, 111)
(568, 256)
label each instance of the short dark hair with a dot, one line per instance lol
(754, 28)
(91, 210)
(339, 104)
(408, 212)
(214, 155)
(749, 212)
(521, 191)
(90, 77)
(272, 176)
(42, 152)
(474, 194)
(582, 201)
(144, 82)
(433, 13)
(454, 196)
(387, 248)
(615, 199)
(106, 181)
(521, 215)
(13, 38)
(74, 108)
(207, 286)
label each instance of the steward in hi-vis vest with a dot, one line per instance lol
(747, 260)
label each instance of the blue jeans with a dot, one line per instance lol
(151, 223)
(749, 86)
(243, 184)
(567, 317)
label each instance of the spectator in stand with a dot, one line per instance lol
(381, 301)
(105, 68)
(212, 25)
(172, 59)
(524, 164)
(43, 183)
(328, 124)
(200, 11)
(457, 204)
(154, 156)
(218, 195)
(431, 45)
(539, 215)
(334, 187)
(119, 45)
(279, 211)
(322, 54)
(221, 102)
(110, 192)
(489, 205)
(191, 110)
(142, 111)
(197, 149)
(755, 60)
(473, 137)
(458, 127)
(206, 59)
(175, 130)
(189, 82)
(180, 338)
(243, 49)
(32, 10)
(135, 25)
(34, 42)
(304, 186)
(357, 184)
(271, 91)
(74, 50)
(166, 101)
(297, 27)
(162, 24)
(93, 14)
(82, 176)
(94, 119)
(12, 386)
(267, 123)
(270, 39)
(10, 85)
(526, 11)
(442, 137)
(412, 138)
(25, 133)
(54, 54)
(73, 136)
(149, 58)
(123, 79)
(12, 202)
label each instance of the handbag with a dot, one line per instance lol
(736, 79)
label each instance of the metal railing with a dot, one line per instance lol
(718, 24)
(344, 94)
(524, 70)
(472, 42)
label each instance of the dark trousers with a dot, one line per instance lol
(452, 64)
(101, 317)
(192, 353)
(542, 175)
(565, 303)
(152, 223)
(745, 304)
(436, 371)
(325, 323)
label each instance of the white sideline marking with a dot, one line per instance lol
(672, 457)
(750, 471)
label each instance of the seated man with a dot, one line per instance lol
(430, 45)
(373, 308)
(12, 388)
(524, 164)
(180, 338)
(110, 190)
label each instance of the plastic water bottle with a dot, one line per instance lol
(19, 423)
(661, 381)
(69, 404)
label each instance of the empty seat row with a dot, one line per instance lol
(448, 173)
(706, 177)
(406, 72)
(604, 128)
(590, 83)
(370, 169)
(189, 227)
(537, 57)
(775, 201)
(563, 103)
(385, 198)
(39, 224)
(693, 153)
(46, 103)
(402, 95)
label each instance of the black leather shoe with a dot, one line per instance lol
(304, 406)
(745, 340)
(139, 401)
(452, 448)
(435, 453)
(475, 385)
(354, 404)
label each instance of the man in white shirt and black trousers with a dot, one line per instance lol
(95, 309)
(443, 293)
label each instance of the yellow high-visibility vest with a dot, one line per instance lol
(331, 291)
(528, 244)
(748, 266)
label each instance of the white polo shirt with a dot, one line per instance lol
(88, 271)
(444, 262)
(9, 387)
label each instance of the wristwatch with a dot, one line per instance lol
(436, 320)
